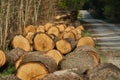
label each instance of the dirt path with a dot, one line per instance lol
(106, 35)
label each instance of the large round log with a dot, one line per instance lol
(14, 55)
(65, 45)
(34, 65)
(2, 58)
(55, 54)
(81, 59)
(63, 75)
(43, 42)
(53, 30)
(86, 41)
(21, 42)
(106, 71)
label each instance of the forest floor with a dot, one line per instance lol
(106, 36)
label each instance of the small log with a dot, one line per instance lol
(47, 26)
(63, 75)
(21, 42)
(34, 65)
(69, 28)
(29, 37)
(61, 27)
(80, 28)
(65, 45)
(17, 63)
(14, 55)
(55, 54)
(83, 60)
(69, 35)
(53, 30)
(77, 33)
(40, 29)
(86, 41)
(106, 71)
(2, 58)
(30, 28)
(43, 42)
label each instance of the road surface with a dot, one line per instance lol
(106, 35)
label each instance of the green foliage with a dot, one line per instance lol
(72, 4)
(86, 33)
(8, 70)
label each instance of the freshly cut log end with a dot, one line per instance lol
(55, 54)
(14, 55)
(61, 27)
(53, 30)
(30, 28)
(84, 60)
(47, 26)
(40, 29)
(80, 28)
(31, 70)
(69, 28)
(34, 66)
(2, 58)
(29, 37)
(63, 75)
(69, 35)
(21, 42)
(86, 41)
(65, 45)
(77, 33)
(105, 71)
(43, 42)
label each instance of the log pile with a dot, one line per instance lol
(56, 52)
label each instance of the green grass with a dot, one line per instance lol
(10, 69)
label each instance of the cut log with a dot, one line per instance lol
(43, 42)
(106, 71)
(34, 65)
(14, 55)
(81, 59)
(53, 30)
(47, 26)
(80, 28)
(21, 42)
(30, 28)
(86, 41)
(2, 58)
(40, 29)
(63, 75)
(65, 45)
(55, 54)
(77, 33)
(29, 37)
(69, 35)
(69, 28)
(61, 27)
(17, 63)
